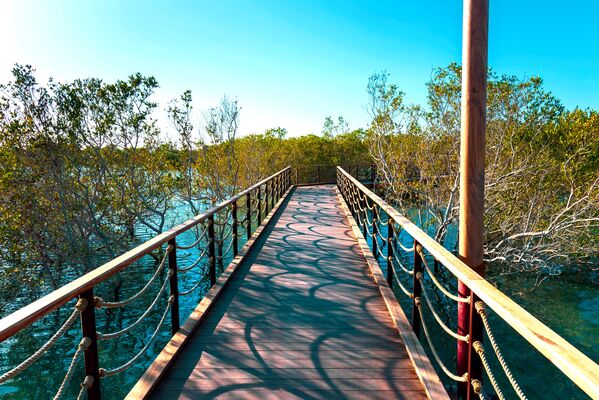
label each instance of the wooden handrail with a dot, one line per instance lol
(27, 315)
(583, 371)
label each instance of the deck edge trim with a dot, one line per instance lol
(151, 377)
(425, 371)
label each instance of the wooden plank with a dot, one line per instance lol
(27, 315)
(265, 333)
(424, 369)
(274, 393)
(150, 378)
(583, 371)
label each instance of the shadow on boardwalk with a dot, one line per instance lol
(301, 318)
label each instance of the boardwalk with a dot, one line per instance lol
(301, 318)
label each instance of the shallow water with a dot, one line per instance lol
(569, 304)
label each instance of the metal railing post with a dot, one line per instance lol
(475, 334)
(211, 251)
(417, 292)
(234, 228)
(365, 218)
(390, 249)
(259, 205)
(88, 329)
(374, 232)
(173, 285)
(248, 206)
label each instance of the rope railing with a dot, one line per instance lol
(451, 375)
(78, 309)
(367, 208)
(443, 290)
(100, 303)
(111, 372)
(194, 244)
(196, 262)
(450, 332)
(480, 309)
(114, 335)
(209, 242)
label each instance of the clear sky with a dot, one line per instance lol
(292, 63)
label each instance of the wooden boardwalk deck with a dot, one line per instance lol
(300, 318)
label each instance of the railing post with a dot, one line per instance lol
(365, 217)
(297, 175)
(211, 251)
(472, 165)
(248, 206)
(259, 204)
(173, 284)
(390, 249)
(475, 334)
(88, 329)
(234, 228)
(273, 192)
(318, 174)
(220, 256)
(417, 291)
(374, 232)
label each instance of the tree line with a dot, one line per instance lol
(83, 164)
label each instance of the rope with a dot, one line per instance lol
(457, 378)
(404, 248)
(113, 335)
(104, 373)
(437, 283)
(478, 347)
(83, 345)
(100, 303)
(195, 286)
(79, 307)
(226, 251)
(188, 267)
(402, 287)
(450, 332)
(226, 236)
(477, 387)
(200, 237)
(480, 308)
(407, 271)
(88, 381)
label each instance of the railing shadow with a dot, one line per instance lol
(298, 317)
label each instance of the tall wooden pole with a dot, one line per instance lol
(472, 173)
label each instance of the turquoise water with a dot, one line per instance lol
(569, 304)
(43, 378)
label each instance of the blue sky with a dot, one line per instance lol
(292, 63)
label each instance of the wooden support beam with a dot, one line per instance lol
(472, 169)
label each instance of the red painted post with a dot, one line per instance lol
(173, 285)
(472, 174)
(417, 289)
(88, 329)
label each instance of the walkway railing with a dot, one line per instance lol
(320, 174)
(382, 225)
(217, 232)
